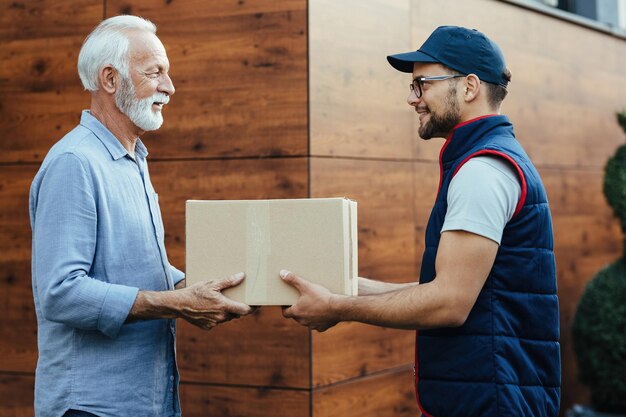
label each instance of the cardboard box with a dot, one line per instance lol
(314, 238)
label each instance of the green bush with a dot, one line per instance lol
(600, 338)
(621, 119)
(615, 184)
(599, 328)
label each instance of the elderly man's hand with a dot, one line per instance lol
(203, 304)
(314, 307)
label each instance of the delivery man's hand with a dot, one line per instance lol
(314, 307)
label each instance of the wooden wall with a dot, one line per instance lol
(280, 99)
(364, 144)
(236, 128)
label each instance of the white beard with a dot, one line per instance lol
(139, 111)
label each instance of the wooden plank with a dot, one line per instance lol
(194, 12)
(355, 350)
(17, 395)
(18, 326)
(263, 350)
(240, 70)
(426, 185)
(587, 236)
(28, 19)
(214, 117)
(14, 218)
(41, 65)
(540, 102)
(358, 105)
(227, 401)
(388, 394)
(574, 191)
(31, 122)
(385, 194)
(40, 93)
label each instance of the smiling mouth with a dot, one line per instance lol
(159, 105)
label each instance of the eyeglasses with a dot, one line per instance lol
(417, 85)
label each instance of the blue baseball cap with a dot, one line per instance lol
(467, 51)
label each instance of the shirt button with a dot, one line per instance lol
(171, 378)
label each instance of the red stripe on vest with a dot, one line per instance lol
(520, 173)
(447, 142)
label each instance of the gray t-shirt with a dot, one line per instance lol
(482, 197)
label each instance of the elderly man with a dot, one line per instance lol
(486, 304)
(105, 294)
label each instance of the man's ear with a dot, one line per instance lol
(471, 87)
(108, 79)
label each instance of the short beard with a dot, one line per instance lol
(139, 111)
(440, 126)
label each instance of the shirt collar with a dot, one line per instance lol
(113, 145)
(140, 149)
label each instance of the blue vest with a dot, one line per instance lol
(504, 360)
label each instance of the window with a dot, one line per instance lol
(609, 12)
(622, 14)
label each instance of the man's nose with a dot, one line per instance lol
(412, 99)
(167, 86)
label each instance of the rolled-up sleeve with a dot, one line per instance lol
(64, 244)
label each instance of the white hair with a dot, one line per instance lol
(108, 44)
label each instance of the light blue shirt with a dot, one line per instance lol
(97, 240)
